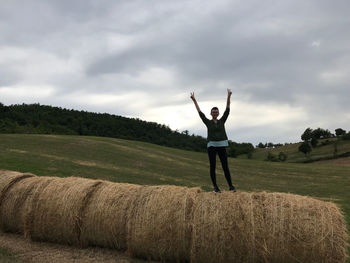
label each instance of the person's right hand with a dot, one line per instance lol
(192, 96)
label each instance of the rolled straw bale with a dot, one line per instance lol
(106, 216)
(57, 210)
(17, 203)
(9, 178)
(160, 227)
(266, 227)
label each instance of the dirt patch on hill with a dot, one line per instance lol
(17, 151)
(29, 251)
(339, 161)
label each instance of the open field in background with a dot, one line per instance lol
(295, 156)
(143, 163)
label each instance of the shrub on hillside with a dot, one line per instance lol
(346, 136)
(326, 142)
(271, 157)
(236, 149)
(340, 132)
(305, 148)
(282, 157)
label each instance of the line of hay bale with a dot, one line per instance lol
(173, 224)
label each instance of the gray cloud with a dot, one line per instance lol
(93, 55)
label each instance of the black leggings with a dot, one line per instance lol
(223, 158)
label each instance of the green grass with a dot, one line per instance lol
(321, 151)
(6, 256)
(143, 163)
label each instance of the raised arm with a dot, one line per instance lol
(195, 102)
(227, 111)
(229, 93)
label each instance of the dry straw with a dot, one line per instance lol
(56, 211)
(175, 224)
(105, 222)
(266, 227)
(16, 203)
(161, 223)
(8, 180)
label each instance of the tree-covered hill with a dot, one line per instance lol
(43, 119)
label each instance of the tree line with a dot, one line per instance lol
(44, 119)
(311, 137)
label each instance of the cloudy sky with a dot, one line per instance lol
(286, 62)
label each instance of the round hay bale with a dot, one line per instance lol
(56, 211)
(17, 202)
(266, 227)
(160, 225)
(8, 178)
(106, 217)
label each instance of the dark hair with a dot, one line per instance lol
(214, 108)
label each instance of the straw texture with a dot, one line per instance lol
(161, 223)
(16, 203)
(106, 218)
(56, 211)
(267, 227)
(173, 224)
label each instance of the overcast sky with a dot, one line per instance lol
(286, 62)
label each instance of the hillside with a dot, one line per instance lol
(44, 119)
(325, 151)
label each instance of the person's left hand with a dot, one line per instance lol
(229, 92)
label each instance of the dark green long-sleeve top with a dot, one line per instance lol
(216, 131)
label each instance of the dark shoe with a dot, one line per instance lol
(216, 190)
(232, 189)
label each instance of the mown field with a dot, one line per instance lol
(143, 163)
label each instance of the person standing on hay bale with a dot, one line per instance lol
(217, 140)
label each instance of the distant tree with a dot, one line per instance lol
(261, 145)
(307, 135)
(346, 136)
(282, 157)
(340, 132)
(185, 132)
(236, 149)
(232, 152)
(271, 157)
(320, 133)
(314, 142)
(270, 145)
(305, 148)
(312, 136)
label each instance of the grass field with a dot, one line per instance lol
(143, 163)
(7, 256)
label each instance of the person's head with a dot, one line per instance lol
(214, 112)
